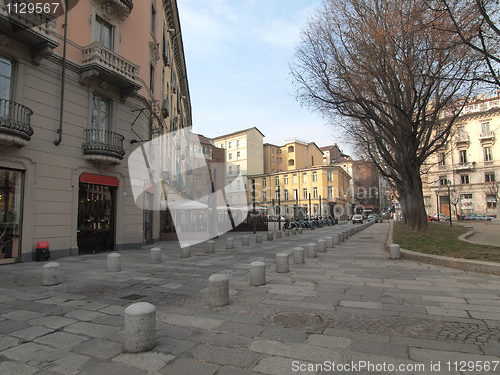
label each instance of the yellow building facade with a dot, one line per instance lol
(318, 191)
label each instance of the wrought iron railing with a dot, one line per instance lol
(128, 3)
(15, 118)
(103, 142)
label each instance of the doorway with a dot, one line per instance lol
(96, 218)
(11, 201)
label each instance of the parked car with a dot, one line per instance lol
(357, 219)
(374, 217)
(477, 217)
(442, 217)
(274, 218)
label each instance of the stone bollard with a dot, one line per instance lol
(299, 255)
(245, 241)
(341, 237)
(282, 264)
(312, 250)
(346, 234)
(279, 234)
(258, 238)
(270, 236)
(394, 251)
(140, 327)
(329, 242)
(114, 262)
(257, 273)
(155, 255)
(336, 239)
(299, 231)
(294, 231)
(186, 252)
(51, 274)
(229, 243)
(210, 247)
(321, 246)
(218, 290)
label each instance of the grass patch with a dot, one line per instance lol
(443, 240)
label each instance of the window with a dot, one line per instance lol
(272, 150)
(230, 170)
(153, 20)
(152, 76)
(304, 178)
(291, 162)
(315, 193)
(238, 154)
(443, 181)
(104, 33)
(272, 159)
(441, 159)
(295, 179)
(290, 148)
(264, 182)
(230, 155)
(462, 156)
(287, 197)
(295, 194)
(237, 144)
(285, 180)
(100, 118)
(304, 194)
(315, 177)
(485, 127)
(312, 160)
(488, 156)
(464, 179)
(491, 201)
(5, 81)
(276, 180)
(329, 176)
(277, 195)
(489, 177)
(229, 145)
(264, 196)
(238, 169)
(330, 191)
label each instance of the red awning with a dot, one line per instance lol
(99, 180)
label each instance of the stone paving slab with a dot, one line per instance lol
(352, 303)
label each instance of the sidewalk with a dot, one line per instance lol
(352, 305)
(486, 233)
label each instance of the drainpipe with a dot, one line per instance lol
(63, 75)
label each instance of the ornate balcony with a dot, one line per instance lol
(487, 136)
(465, 166)
(15, 123)
(36, 30)
(106, 65)
(462, 137)
(103, 146)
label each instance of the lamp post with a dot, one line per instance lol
(279, 208)
(448, 184)
(253, 204)
(437, 203)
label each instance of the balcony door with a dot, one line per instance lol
(100, 119)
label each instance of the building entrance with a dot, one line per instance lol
(96, 216)
(11, 200)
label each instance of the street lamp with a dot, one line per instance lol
(448, 184)
(437, 202)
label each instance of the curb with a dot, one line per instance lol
(468, 265)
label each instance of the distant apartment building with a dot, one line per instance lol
(368, 193)
(244, 155)
(464, 174)
(70, 121)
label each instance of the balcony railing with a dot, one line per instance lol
(37, 30)
(487, 135)
(462, 138)
(103, 146)
(464, 166)
(99, 61)
(15, 123)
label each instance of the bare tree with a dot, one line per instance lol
(385, 70)
(475, 23)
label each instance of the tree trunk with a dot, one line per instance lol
(414, 208)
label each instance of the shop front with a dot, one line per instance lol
(11, 206)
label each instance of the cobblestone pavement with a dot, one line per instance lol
(351, 308)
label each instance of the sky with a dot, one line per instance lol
(237, 55)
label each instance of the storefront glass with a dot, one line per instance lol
(11, 188)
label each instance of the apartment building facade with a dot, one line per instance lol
(244, 155)
(75, 102)
(463, 176)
